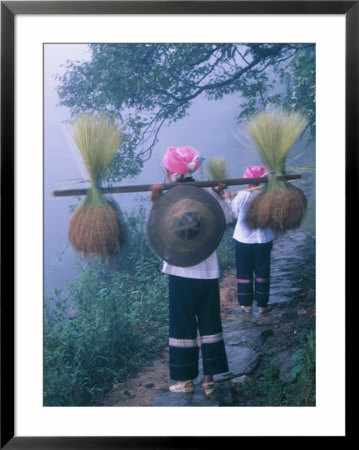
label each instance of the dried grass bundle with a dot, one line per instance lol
(274, 134)
(94, 227)
(280, 206)
(95, 230)
(279, 209)
(98, 139)
(216, 168)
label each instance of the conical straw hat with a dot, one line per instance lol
(185, 226)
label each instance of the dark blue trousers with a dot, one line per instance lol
(194, 313)
(253, 273)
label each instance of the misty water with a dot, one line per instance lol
(210, 127)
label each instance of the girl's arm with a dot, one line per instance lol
(156, 191)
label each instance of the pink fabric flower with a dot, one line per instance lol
(181, 160)
(255, 172)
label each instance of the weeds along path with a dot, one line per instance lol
(253, 342)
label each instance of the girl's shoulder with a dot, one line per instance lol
(243, 198)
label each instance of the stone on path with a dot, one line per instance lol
(241, 361)
(286, 364)
(253, 338)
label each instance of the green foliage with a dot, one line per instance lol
(112, 321)
(146, 86)
(272, 391)
(226, 250)
(305, 358)
(301, 274)
(309, 220)
(289, 85)
(299, 78)
(271, 385)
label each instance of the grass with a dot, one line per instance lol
(270, 390)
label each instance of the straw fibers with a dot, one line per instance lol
(98, 139)
(216, 168)
(274, 134)
(94, 227)
(95, 230)
(280, 206)
(279, 209)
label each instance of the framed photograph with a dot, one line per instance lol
(53, 53)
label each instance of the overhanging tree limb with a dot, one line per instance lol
(152, 84)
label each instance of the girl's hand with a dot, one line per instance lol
(219, 189)
(156, 191)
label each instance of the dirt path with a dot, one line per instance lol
(154, 380)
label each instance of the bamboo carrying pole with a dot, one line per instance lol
(148, 187)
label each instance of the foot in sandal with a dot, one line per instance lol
(182, 386)
(208, 384)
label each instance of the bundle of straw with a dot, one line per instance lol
(94, 227)
(280, 205)
(216, 168)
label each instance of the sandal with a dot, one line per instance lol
(246, 309)
(209, 387)
(181, 386)
(263, 309)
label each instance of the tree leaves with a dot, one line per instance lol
(149, 85)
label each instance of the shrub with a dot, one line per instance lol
(226, 250)
(112, 321)
(272, 391)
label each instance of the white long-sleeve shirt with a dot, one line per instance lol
(209, 268)
(242, 232)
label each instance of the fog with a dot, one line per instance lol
(210, 127)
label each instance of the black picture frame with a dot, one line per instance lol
(9, 9)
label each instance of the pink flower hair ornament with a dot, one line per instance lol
(181, 160)
(255, 172)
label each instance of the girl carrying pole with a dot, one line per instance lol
(253, 248)
(194, 302)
